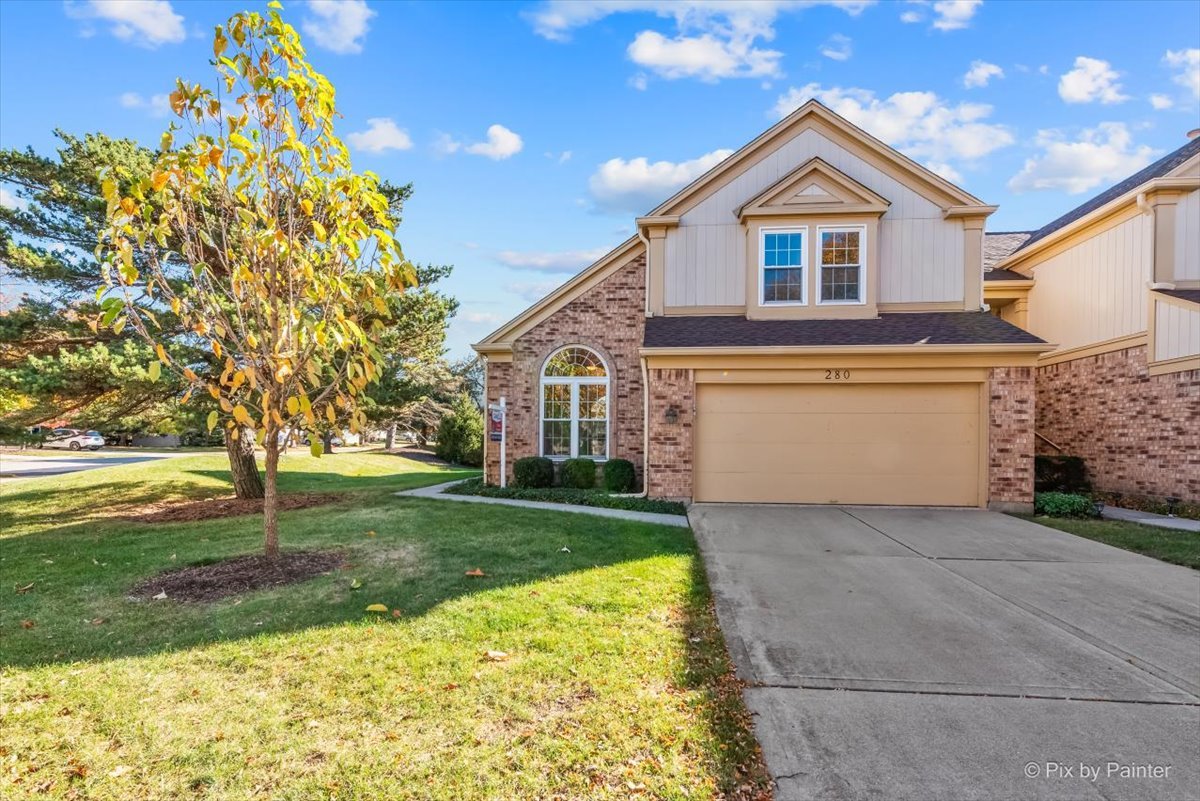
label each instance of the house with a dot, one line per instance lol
(1115, 284)
(804, 323)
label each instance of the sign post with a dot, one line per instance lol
(498, 432)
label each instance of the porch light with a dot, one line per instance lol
(672, 415)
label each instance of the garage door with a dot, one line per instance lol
(896, 444)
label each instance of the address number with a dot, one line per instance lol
(837, 375)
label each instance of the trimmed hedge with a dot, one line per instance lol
(460, 434)
(1060, 474)
(619, 475)
(578, 474)
(1063, 504)
(593, 497)
(533, 472)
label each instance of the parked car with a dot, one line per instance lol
(73, 439)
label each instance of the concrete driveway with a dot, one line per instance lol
(942, 654)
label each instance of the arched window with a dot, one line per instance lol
(575, 404)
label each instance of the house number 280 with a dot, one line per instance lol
(837, 375)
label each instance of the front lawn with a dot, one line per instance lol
(1169, 545)
(584, 663)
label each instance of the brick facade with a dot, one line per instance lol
(610, 319)
(1011, 401)
(671, 443)
(1137, 433)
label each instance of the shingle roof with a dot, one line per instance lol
(933, 328)
(1155, 170)
(1192, 295)
(1005, 275)
(999, 244)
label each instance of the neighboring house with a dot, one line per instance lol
(1115, 284)
(802, 324)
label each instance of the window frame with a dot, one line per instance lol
(574, 382)
(819, 270)
(803, 266)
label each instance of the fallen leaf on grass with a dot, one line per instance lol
(377, 608)
(25, 589)
(450, 686)
(397, 612)
(27, 624)
(475, 573)
(162, 596)
(119, 770)
(98, 621)
(355, 584)
(495, 656)
(564, 549)
(370, 533)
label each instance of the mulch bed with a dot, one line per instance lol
(212, 582)
(213, 508)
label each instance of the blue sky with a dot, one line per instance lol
(535, 132)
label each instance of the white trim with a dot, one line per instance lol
(819, 268)
(574, 382)
(803, 266)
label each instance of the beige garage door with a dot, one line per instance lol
(896, 444)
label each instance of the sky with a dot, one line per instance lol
(534, 133)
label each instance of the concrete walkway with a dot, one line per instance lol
(436, 492)
(1150, 519)
(958, 655)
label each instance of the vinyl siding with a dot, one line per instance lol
(1176, 331)
(921, 255)
(1187, 238)
(1095, 290)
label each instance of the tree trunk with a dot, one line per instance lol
(327, 442)
(242, 466)
(270, 499)
(391, 437)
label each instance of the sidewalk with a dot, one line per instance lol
(1150, 519)
(435, 493)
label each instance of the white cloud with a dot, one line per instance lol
(501, 144)
(639, 81)
(1188, 64)
(10, 200)
(531, 291)
(837, 47)
(490, 318)
(1092, 80)
(951, 15)
(911, 16)
(562, 261)
(338, 25)
(1161, 102)
(920, 124)
(558, 158)
(638, 184)
(980, 73)
(945, 170)
(713, 39)
(155, 105)
(148, 23)
(706, 57)
(1104, 154)
(382, 134)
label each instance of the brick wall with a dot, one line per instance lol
(1011, 404)
(671, 443)
(610, 319)
(1139, 434)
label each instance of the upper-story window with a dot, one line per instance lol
(783, 259)
(842, 256)
(575, 404)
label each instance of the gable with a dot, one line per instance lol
(814, 187)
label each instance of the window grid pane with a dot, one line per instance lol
(783, 285)
(556, 438)
(593, 402)
(592, 437)
(575, 362)
(840, 266)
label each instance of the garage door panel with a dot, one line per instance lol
(911, 444)
(842, 428)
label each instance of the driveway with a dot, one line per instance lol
(945, 654)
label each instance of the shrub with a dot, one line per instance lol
(619, 475)
(1060, 474)
(533, 472)
(1063, 504)
(460, 434)
(594, 497)
(578, 473)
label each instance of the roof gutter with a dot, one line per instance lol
(836, 350)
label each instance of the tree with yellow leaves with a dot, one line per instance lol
(292, 254)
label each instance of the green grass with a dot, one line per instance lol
(1169, 545)
(616, 681)
(581, 497)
